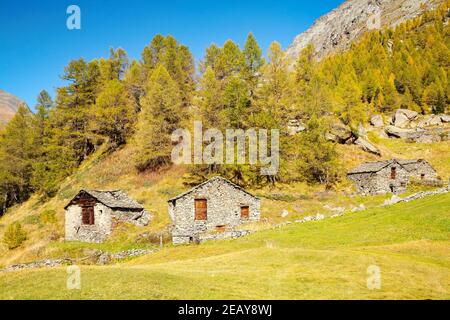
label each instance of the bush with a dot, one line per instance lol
(14, 236)
(48, 216)
(33, 219)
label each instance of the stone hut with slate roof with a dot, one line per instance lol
(372, 178)
(216, 205)
(91, 215)
(419, 169)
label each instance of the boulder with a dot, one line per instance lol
(362, 131)
(377, 121)
(394, 131)
(367, 146)
(435, 120)
(445, 118)
(340, 134)
(141, 219)
(403, 117)
(284, 213)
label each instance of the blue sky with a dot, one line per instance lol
(35, 43)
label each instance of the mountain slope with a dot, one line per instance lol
(8, 107)
(338, 29)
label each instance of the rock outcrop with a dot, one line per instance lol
(336, 30)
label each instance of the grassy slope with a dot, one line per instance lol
(153, 189)
(326, 259)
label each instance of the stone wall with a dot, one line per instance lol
(224, 211)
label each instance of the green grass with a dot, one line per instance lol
(328, 259)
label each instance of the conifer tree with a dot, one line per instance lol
(161, 114)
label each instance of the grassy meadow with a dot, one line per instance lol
(326, 259)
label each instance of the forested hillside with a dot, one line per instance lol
(112, 102)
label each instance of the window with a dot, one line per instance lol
(87, 214)
(393, 172)
(221, 228)
(201, 209)
(244, 212)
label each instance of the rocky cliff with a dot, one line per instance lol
(336, 30)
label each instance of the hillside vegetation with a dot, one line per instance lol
(111, 102)
(153, 189)
(327, 259)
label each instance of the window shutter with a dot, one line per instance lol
(201, 209)
(393, 172)
(87, 215)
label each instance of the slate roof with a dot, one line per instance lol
(411, 164)
(114, 199)
(376, 166)
(209, 181)
(409, 161)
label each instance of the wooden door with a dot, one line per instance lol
(201, 209)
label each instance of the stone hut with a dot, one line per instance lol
(91, 215)
(379, 177)
(419, 169)
(216, 205)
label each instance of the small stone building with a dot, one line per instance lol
(91, 215)
(379, 177)
(216, 205)
(419, 169)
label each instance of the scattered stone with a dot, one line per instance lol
(445, 118)
(295, 126)
(103, 259)
(284, 213)
(361, 207)
(393, 200)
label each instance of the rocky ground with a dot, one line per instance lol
(402, 124)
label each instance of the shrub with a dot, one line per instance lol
(48, 216)
(14, 235)
(33, 219)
